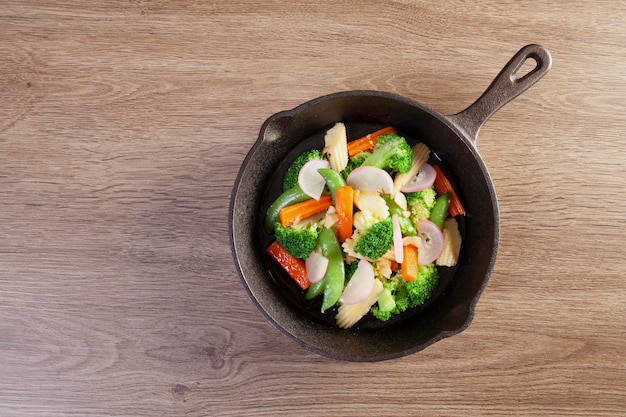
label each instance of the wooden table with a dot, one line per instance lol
(123, 126)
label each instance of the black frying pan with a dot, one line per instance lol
(452, 140)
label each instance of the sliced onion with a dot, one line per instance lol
(397, 239)
(360, 285)
(316, 265)
(311, 182)
(369, 178)
(431, 242)
(424, 179)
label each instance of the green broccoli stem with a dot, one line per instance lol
(392, 152)
(386, 301)
(291, 196)
(379, 158)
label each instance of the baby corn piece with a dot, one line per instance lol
(336, 147)
(420, 156)
(349, 314)
(451, 243)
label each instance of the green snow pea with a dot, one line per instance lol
(406, 225)
(333, 180)
(291, 196)
(333, 282)
(440, 210)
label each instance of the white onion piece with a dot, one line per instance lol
(424, 179)
(430, 243)
(311, 182)
(397, 239)
(369, 178)
(316, 265)
(360, 285)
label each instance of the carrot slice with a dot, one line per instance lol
(442, 186)
(367, 142)
(295, 267)
(290, 214)
(409, 264)
(344, 196)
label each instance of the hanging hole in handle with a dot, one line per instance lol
(527, 67)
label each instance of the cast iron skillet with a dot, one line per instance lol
(452, 140)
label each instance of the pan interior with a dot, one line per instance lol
(284, 137)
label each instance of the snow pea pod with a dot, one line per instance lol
(440, 210)
(333, 282)
(291, 196)
(406, 225)
(333, 180)
(314, 290)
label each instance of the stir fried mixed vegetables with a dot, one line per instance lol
(365, 224)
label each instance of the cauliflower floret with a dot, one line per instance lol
(384, 267)
(363, 219)
(372, 202)
(348, 249)
(331, 217)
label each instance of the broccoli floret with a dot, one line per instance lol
(396, 286)
(351, 269)
(380, 314)
(408, 294)
(391, 152)
(420, 289)
(376, 240)
(421, 203)
(354, 162)
(299, 241)
(291, 175)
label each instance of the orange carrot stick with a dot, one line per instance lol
(442, 186)
(367, 142)
(290, 214)
(344, 196)
(295, 267)
(409, 264)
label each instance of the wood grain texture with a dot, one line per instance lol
(122, 128)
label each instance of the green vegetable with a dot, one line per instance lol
(391, 152)
(406, 225)
(420, 289)
(406, 294)
(333, 180)
(333, 282)
(421, 203)
(291, 175)
(299, 240)
(396, 287)
(386, 301)
(291, 196)
(351, 269)
(376, 240)
(354, 162)
(440, 210)
(314, 290)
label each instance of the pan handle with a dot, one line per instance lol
(504, 88)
